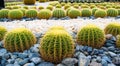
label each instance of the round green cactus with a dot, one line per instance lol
(3, 31)
(32, 13)
(49, 7)
(118, 41)
(4, 13)
(42, 0)
(18, 40)
(76, 6)
(29, 2)
(94, 10)
(86, 12)
(100, 13)
(66, 6)
(25, 7)
(91, 35)
(40, 7)
(58, 6)
(112, 12)
(74, 13)
(59, 13)
(15, 14)
(84, 6)
(118, 11)
(44, 14)
(56, 45)
(56, 28)
(113, 28)
(8, 7)
(23, 10)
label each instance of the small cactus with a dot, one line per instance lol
(113, 28)
(29, 2)
(118, 41)
(118, 11)
(74, 13)
(112, 12)
(15, 14)
(100, 13)
(58, 6)
(18, 40)
(56, 28)
(4, 13)
(3, 31)
(49, 7)
(94, 10)
(66, 6)
(91, 35)
(56, 45)
(32, 13)
(86, 12)
(40, 7)
(59, 13)
(44, 14)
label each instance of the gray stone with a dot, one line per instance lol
(111, 48)
(3, 62)
(83, 60)
(10, 65)
(6, 56)
(104, 62)
(69, 61)
(60, 65)
(31, 55)
(112, 54)
(94, 52)
(46, 64)
(106, 59)
(76, 54)
(22, 55)
(29, 64)
(22, 62)
(116, 60)
(98, 59)
(36, 60)
(34, 49)
(104, 48)
(2, 52)
(111, 64)
(108, 36)
(113, 38)
(1, 44)
(93, 63)
(11, 61)
(89, 50)
(79, 48)
(13, 56)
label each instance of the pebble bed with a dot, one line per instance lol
(108, 55)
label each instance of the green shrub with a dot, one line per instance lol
(3, 31)
(15, 14)
(56, 45)
(86, 12)
(94, 10)
(44, 14)
(29, 2)
(74, 13)
(112, 28)
(32, 13)
(49, 7)
(4, 13)
(18, 40)
(59, 13)
(100, 13)
(40, 7)
(91, 35)
(112, 12)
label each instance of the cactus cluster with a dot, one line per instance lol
(56, 45)
(100, 13)
(44, 14)
(32, 13)
(91, 35)
(23, 40)
(4, 13)
(112, 12)
(113, 28)
(3, 31)
(74, 13)
(59, 13)
(86, 12)
(15, 14)
(29, 2)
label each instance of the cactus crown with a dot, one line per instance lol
(86, 12)
(118, 41)
(100, 13)
(3, 31)
(57, 28)
(74, 13)
(23, 40)
(113, 28)
(112, 12)
(32, 13)
(91, 35)
(29, 2)
(56, 45)
(4, 13)
(59, 13)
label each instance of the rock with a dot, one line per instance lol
(116, 60)
(89, 50)
(94, 52)
(111, 64)
(93, 63)
(22, 62)
(1, 44)
(108, 44)
(2, 52)
(10, 65)
(3, 62)
(60, 65)
(79, 48)
(110, 41)
(108, 36)
(29, 64)
(98, 59)
(104, 48)
(76, 54)
(11, 61)
(101, 51)
(112, 54)
(34, 49)
(36, 60)
(6, 56)
(46, 64)
(104, 62)
(22, 55)
(31, 55)
(113, 39)
(106, 59)
(111, 48)
(69, 61)
(83, 61)
(13, 56)
(85, 48)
